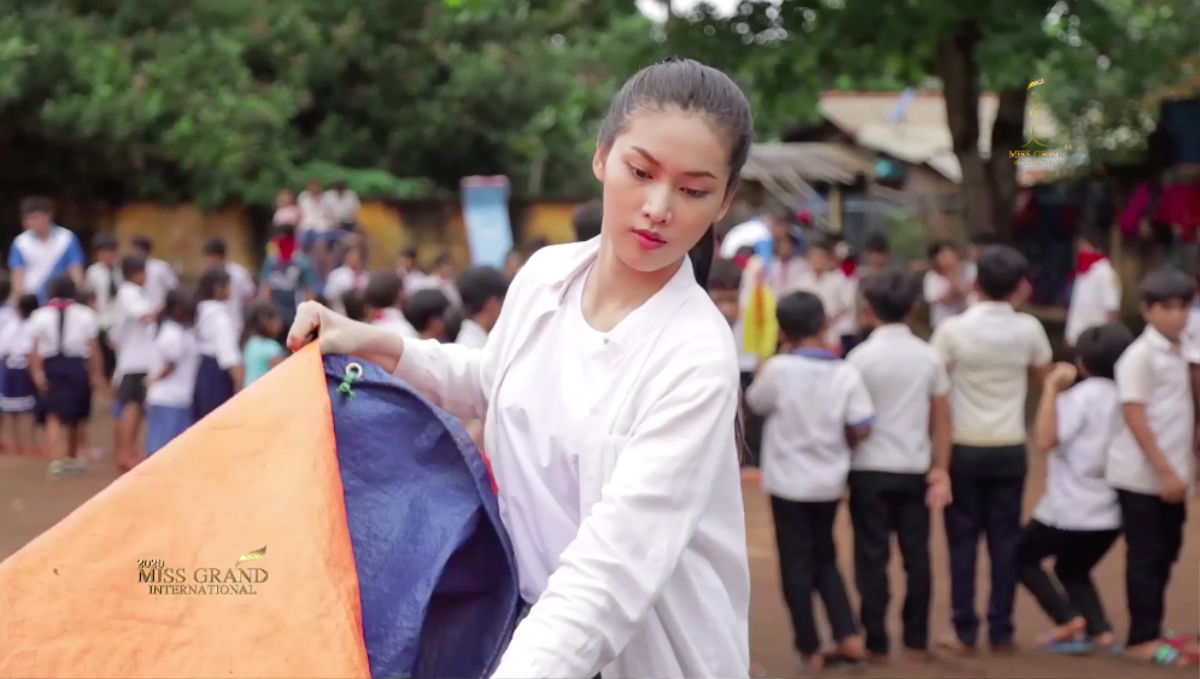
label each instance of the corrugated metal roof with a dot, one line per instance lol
(811, 162)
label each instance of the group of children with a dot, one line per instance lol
(904, 427)
(168, 355)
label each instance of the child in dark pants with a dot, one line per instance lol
(991, 351)
(1078, 518)
(899, 475)
(817, 409)
(1150, 461)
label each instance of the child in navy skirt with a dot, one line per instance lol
(19, 400)
(169, 398)
(219, 374)
(65, 364)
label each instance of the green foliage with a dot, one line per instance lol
(218, 100)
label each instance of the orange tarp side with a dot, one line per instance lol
(261, 471)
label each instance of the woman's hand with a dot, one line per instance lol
(336, 334)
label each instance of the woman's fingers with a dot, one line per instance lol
(308, 322)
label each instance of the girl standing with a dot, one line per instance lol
(65, 364)
(262, 351)
(20, 394)
(609, 394)
(169, 397)
(219, 373)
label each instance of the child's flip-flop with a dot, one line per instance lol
(1069, 647)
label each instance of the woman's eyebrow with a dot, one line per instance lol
(691, 173)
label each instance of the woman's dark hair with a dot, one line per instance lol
(690, 86)
(26, 305)
(1099, 347)
(213, 279)
(179, 306)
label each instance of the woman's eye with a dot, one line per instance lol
(639, 172)
(695, 193)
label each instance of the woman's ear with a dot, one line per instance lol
(599, 159)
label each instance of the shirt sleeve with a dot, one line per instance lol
(1040, 351)
(90, 324)
(936, 286)
(225, 336)
(762, 392)
(16, 260)
(860, 410)
(1070, 415)
(169, 343)
(1110, 295)
(942, 344)
(631, 543)
(74, 255)
(1134, 375)
(940, 378)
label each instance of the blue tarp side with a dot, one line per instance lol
(435, 568)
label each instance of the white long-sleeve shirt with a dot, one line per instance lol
(628, 526)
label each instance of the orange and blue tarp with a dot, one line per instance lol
(314, 526)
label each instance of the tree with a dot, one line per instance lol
(788, 50)
(219, 100)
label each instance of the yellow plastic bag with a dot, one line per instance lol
(760, 328)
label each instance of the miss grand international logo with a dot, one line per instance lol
(1037, 152)
(239, 579)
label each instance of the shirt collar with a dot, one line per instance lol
(815, 353)
(891, 329)
(1158, 340)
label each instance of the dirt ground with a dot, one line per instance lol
(29, 504)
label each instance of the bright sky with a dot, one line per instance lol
(656, 9)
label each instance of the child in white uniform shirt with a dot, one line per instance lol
(219, 374)
(825, 280)
(991, 351)
(948, 283)
(383, 297)
(1150, 461)
(160, 276)
(482, 289)
(66, 367)
(900, 473)
(169, 398)
(817, 409)
(137, 318)
(1096, 293)
(19, 399)
(1077, 519)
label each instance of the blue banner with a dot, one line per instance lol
(485, 214)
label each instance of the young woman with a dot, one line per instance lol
(609, 394)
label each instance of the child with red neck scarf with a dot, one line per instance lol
(287, 274)
(1096, 295)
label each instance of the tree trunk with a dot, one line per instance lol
(959, 72)
(1008, 134)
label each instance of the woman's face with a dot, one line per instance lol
(665, 180)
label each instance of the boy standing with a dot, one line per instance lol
(1077, 519)
(383, 297)
(806, 456)
(900, 473)
(483, 289)
(1150, 460)
(831, 286)
(137, 318)
(991, 351)
(160, 276)
(241, 284)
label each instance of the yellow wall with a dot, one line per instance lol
(179, 232)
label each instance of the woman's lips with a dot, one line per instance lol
(647, 240)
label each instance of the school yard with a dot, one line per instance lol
(29, 504)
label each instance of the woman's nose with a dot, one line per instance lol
(657, 207)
